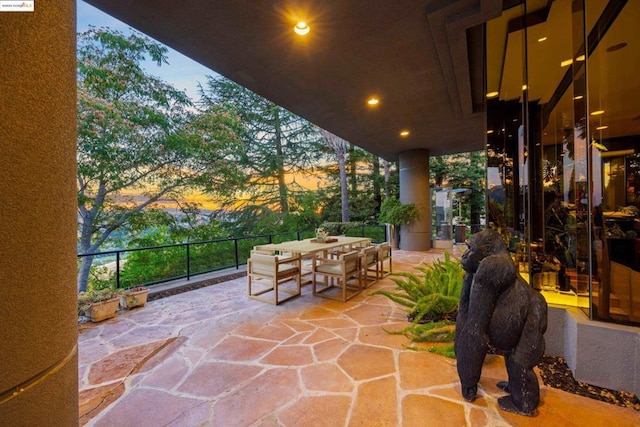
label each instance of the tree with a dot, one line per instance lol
(340, 147)
(277, 143)
(138, 138)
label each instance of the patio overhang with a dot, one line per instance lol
(422, 59)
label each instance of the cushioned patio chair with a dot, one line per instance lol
(337, 273)
(269, 276)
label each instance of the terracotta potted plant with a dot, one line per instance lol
(133, 297)
(98, 305)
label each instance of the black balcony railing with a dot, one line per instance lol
(124, 268)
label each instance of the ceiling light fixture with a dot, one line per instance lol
(404, 133)
(580, 58)
(373, 101)
(566, 63)
(541, 39)
(602, 127)
(301, 28)
(578, 97)
(490, 131)
(492, 94)
(597, 113)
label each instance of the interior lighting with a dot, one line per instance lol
(580, 58)
(602, 127)
(578, 97)
(373, 101)
(404, 133)
(492, 94)
(541, 39)
(566, 63)
(490, 131)
(301, 28)
(597, 113)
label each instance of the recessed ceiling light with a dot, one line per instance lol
(492, 94)
(404, 133)
(525, 87)
(602, 127)
(373, 101)
(566, 63)
(541, 39)
(578, 97)
(616, 47)
(597, 113)
(301, 28)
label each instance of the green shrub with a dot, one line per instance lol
(431, 300)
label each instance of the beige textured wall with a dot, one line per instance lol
(38, 318)
(414, 188)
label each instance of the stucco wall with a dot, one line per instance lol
(38, 355)
(598, 353)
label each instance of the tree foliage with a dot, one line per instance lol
(139, 140)
(278, 145)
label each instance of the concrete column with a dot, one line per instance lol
(38, 326)
(414, 188)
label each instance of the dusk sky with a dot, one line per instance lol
(182, 72)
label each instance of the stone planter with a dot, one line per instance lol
(134, 297)
(103, 310)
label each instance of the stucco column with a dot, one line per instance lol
(38, 315)
(414, 188)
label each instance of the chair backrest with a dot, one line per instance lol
(351, 261)
(384, 250)
(369, 254)
(261, 251)
(263, 264)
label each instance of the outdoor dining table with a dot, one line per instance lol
(309, 248)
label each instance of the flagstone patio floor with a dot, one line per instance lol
(214, 357)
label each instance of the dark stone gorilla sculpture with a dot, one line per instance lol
(499, 310)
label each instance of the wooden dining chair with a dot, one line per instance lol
(337, 273)
(269, 276)
(384, 254)
(369, 260)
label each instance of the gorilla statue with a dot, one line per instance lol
(499, 311)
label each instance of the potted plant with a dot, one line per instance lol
(395, 213)
(133, 297)
(98, 304)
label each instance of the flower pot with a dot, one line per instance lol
(134, 298)
(103, 310)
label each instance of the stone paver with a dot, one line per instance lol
(214, 357)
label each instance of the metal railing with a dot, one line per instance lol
(124, 268)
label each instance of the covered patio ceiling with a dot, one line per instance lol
(421, 58)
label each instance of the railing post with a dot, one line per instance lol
(270, 238)
(118, 270)
(298, 234)
(235, 244)
(188, 262)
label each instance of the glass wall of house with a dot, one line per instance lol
(563, 147)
